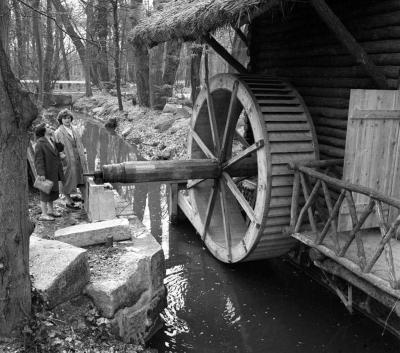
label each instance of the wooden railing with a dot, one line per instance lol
(323, 210)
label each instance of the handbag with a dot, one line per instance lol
(43, 185)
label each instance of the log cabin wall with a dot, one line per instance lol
(296, 45)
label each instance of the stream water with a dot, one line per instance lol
(265, 306)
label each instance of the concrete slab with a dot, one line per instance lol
(94, 233)
(60, 271)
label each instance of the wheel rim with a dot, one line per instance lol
(232, 225)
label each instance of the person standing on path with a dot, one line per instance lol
(48, 166)
(74, 163)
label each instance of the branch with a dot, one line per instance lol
(55, 21)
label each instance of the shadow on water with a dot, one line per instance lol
(265, 306)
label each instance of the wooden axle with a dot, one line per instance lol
(148, 171)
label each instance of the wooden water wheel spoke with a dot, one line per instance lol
(213, 121)
(239, 197)
(193, 183)
(229, 121)
(243, 154)
(241, 139)
(202, 145)
(225, 219)
(251, 212)
(210, 208)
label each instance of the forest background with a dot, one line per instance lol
(45, 41)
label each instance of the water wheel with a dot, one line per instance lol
(256, 124)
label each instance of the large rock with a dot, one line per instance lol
(182, 113)
(94, 233)
(97, 110)
(180, 124)
(136, 324)
(148, 247)
(165, 122)
(169, 108)
(110, 292)
(60, 271)
(138, 291)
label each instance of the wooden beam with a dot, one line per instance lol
(220, 50)
(146, 171)
(210, 207)
(241, 35)
(347, 39)
(210, 106)
(243, 154)
(261, 9)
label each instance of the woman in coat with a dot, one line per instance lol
(74, 163)
(48, 166)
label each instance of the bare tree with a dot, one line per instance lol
(20, 53)
(102, 33)
(141, 58)
(64, 55)
(157, 100)
(4, 24)
(117, 67)
(16, 114)
(89, 51)
(39, 51)
(48, 58)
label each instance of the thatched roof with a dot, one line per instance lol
(191, 19)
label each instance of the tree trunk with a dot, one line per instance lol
(4, 24)
(141, 59)
(129, 49)
(102, 32)
(172, 57)
(16, 115)
(157, 100)
(64, 57)
(39, 52)
(48, 59)
(195, 82)
(117, 67)
(88, 57)
(187, 64)
(123, 59)
(69, 28)
(20, 52)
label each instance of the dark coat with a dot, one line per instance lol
(48, 162)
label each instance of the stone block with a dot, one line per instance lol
(147, 246)
(94, 233)
(169, 108)
(141, 270)
(182, 113)
(60, 271)
(136, 324)
(110, 293)
(164, 124)
(99, 204)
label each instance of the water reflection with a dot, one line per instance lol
(265, 306)
(147, 201)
